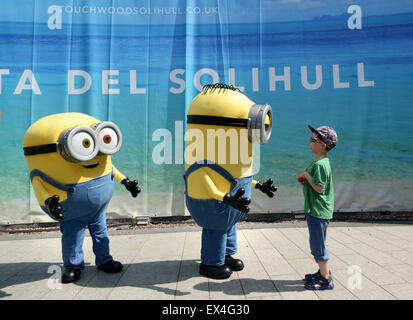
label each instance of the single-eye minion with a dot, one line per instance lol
(69, 160)
(219, 176)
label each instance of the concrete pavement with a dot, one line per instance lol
(368, 261)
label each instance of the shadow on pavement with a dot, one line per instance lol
(149, 275)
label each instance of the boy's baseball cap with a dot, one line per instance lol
(327, 135)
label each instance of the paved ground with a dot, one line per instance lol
(368, 261)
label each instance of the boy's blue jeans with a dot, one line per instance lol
(317, 229)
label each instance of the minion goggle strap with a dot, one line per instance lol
(83, 143)
(258, 130)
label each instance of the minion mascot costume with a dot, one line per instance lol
(218, 192)
(68, 156)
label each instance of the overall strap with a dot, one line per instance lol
(211, 165)
(44, 177)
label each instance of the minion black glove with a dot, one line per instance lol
(54, 207)
(131, 186)
(237, 201)
(266, 187)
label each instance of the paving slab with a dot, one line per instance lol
(368, 261)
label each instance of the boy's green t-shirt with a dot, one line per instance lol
(319, 205)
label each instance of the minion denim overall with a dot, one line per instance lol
(217, 219)
(85, 206)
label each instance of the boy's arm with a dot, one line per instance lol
(305, 175)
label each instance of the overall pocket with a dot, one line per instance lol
(100, 194)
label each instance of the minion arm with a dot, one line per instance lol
(43, 196)
(211, 187)
(236, 201)
(118, 175)
(131, 186)
(265, 187)
(41, 193)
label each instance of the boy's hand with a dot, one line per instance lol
(236, 201)
(131, 186)
(266, 187)
(302, 177)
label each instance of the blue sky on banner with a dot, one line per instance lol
(196, 11)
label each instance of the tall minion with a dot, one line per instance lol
(222, 125)
(69, 159)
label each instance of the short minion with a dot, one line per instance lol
(69, 159)
(223, 125)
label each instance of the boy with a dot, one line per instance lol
(319, 204)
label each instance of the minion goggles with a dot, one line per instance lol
(83, 143)
(258, 131)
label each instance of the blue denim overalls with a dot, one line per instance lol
(217, 219)
(85, 206)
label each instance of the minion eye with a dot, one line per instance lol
(86, 143)
(260, 125)
(109, 137)
(78, 144)
(82, 144)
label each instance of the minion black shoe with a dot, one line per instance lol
(111, 266)
(234, 264)
(70, 275)
(215, 272)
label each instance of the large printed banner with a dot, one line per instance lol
(345, 64)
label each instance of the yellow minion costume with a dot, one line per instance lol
(68, 157)
(218, 176)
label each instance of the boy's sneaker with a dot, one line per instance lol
(320, 283)
(313, 276)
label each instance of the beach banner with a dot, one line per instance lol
(139, 63)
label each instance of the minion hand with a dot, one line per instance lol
(266, 187)
(237, 202)
(54, 207)
(131, 186)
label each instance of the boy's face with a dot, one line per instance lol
(316, 145)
